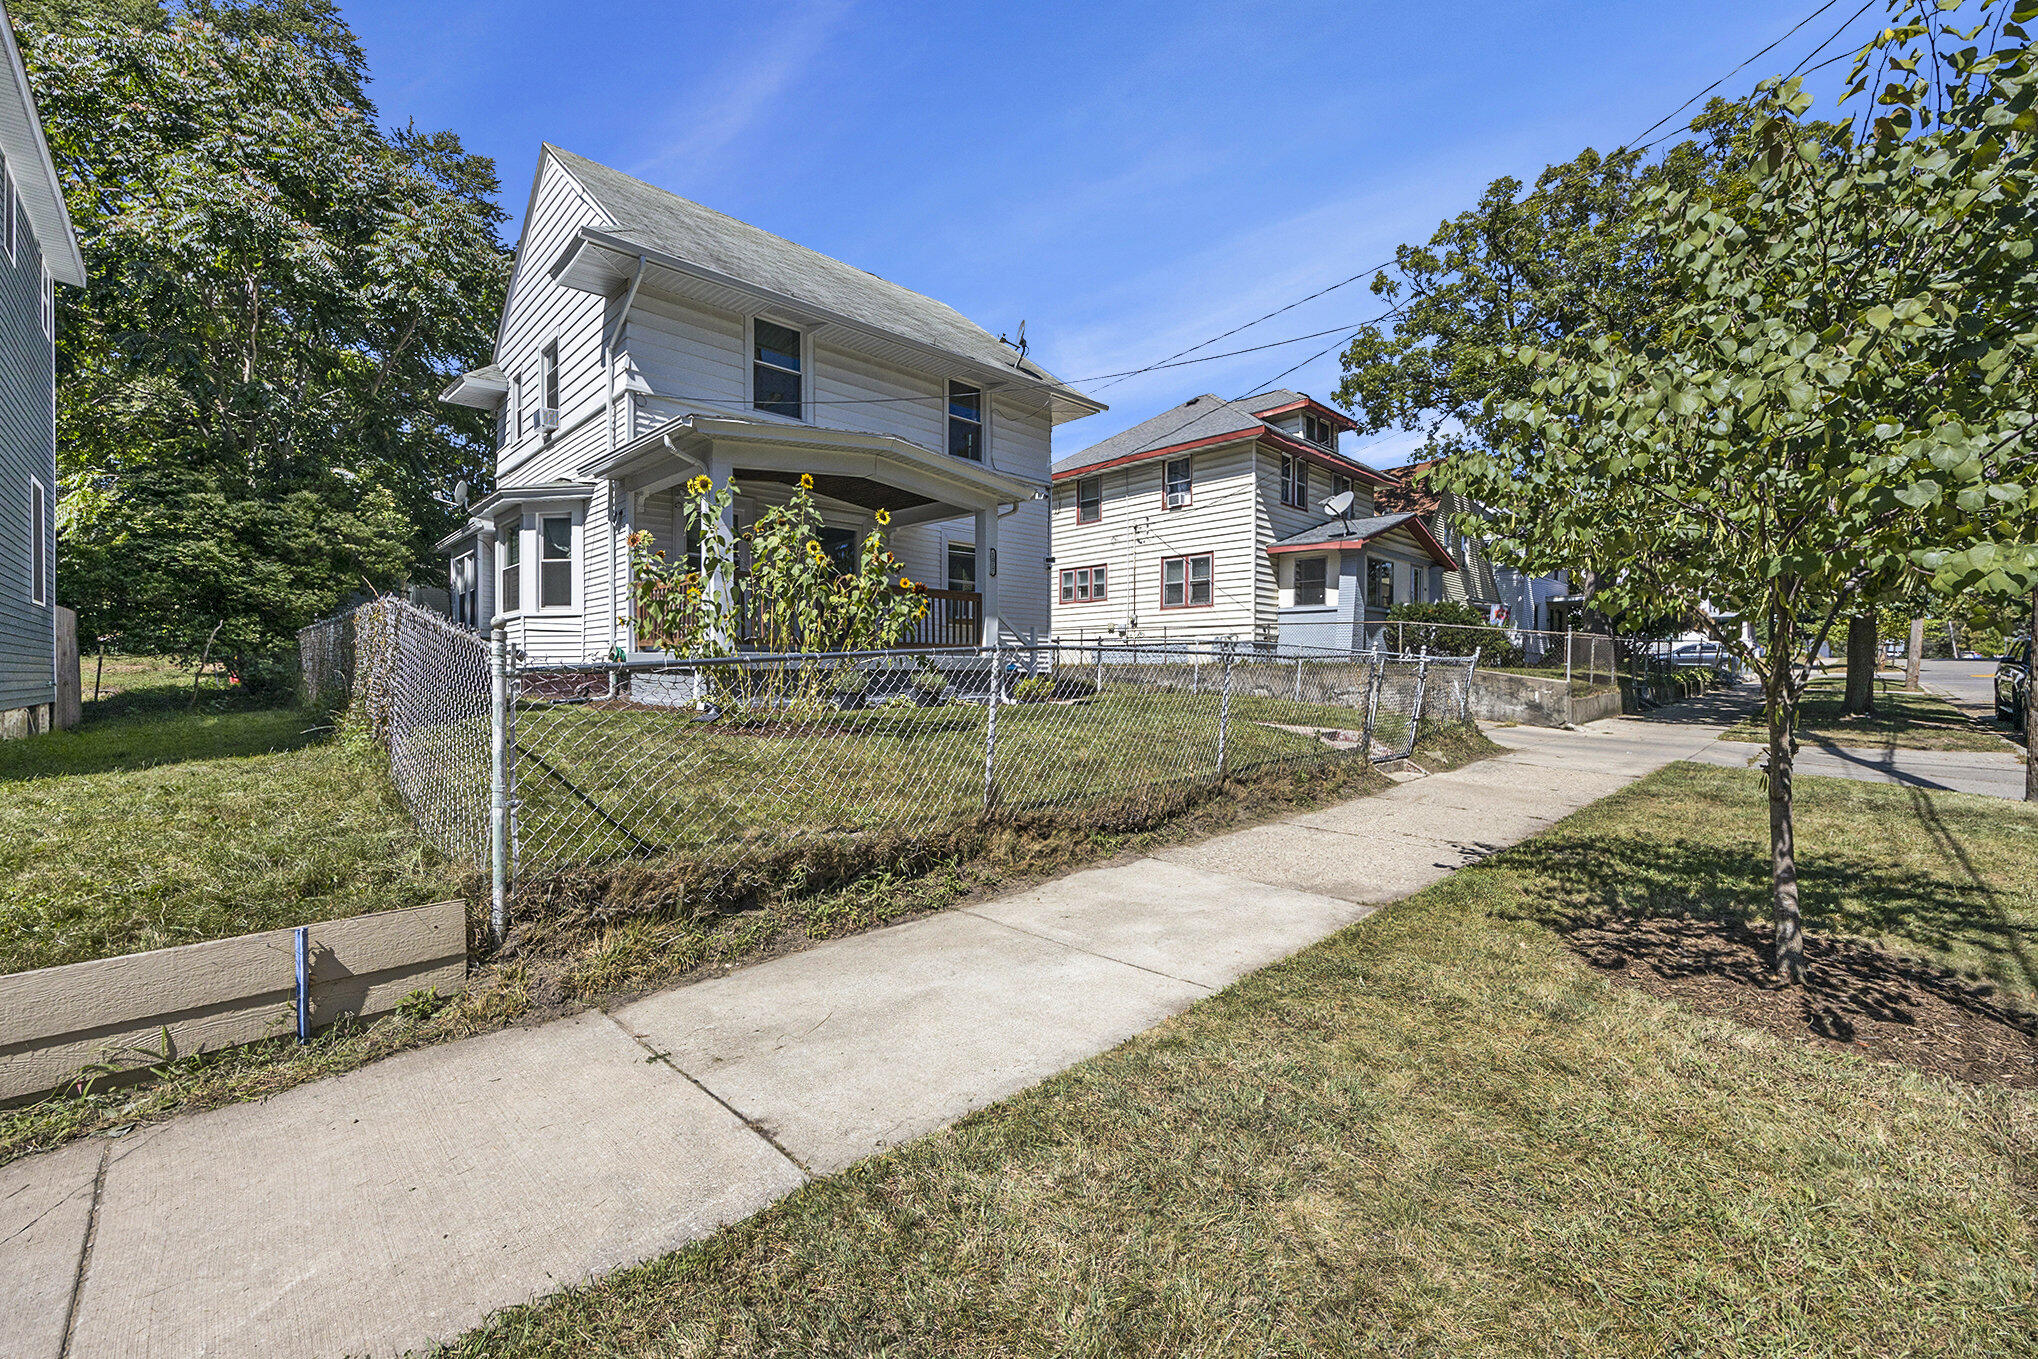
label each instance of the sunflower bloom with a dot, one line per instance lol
(806, 481)
(884, 517)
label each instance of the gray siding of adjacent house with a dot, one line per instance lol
(27, 454)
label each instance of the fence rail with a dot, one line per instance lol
(726, 770)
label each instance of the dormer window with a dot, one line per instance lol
(966, 421)
(775, 369)
(1317, 430)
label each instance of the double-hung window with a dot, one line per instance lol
(1083, 585)
(1185, 582)
(39, 536)
(966, 421)
(516, 407)
(1379, 583)
(510, 598)
(1294, 481)
(1316, 429)
(1311, 575)
(555, 562)
(1178, 487)
(776, 369)
(1089, 499)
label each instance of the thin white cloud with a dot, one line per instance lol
(733, 97)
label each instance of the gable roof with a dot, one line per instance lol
(35, 174)
(1281, 400)
(1336, 533)
(1203, 420)
(686, 234)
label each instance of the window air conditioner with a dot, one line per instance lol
(548, 417)
(1178, 500)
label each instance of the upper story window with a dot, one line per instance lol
(775, 369)
(1177, 487)
(966, 421)
(555, 562)
(548, 386)
(1294, 481)
(516, 408)
(49, 303)
(1339, 483)
(1317, 430)
(1089, 499)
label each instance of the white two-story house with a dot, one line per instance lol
(1210, 521)
(647, 340)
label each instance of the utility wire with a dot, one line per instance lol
(1731, 74)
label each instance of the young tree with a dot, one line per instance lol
(278, 289)
(1839, 385)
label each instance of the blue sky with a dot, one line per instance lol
(1128, 179)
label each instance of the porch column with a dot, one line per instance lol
(485, 573)
(987, 570)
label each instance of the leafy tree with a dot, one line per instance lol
(1838, 388)
(278, 289)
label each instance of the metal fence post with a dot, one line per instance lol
(1415, 709)
(1471, 669)
(1298, 679)
(1224, 711)
(1100, 665)
(498, 779)
(1568, 645)
(991, 732)
(1373, 677)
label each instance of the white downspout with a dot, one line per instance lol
(616, 568)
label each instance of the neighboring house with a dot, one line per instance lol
(1208, 521)
(37, 251)
(1504, 593)
(647, 340)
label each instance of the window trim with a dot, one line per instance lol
(39, 543)
(982, 422)
(509, 569)
(1188, 581)
(1187, 462)
(1324, 599)
(465, 581)
(1294, 480)
(1092, 576)
(751, 363)
(1098, 516)
(568, 561)
(548, 384)
(516, 408)
(1312, 420)
(1373, 566)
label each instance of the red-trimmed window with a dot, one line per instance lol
(1294, 481)
(1083, 585)
(1089, 499)
(1177, 487)
(1186, 582)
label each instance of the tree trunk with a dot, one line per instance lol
(1917, 654)
(1788, 962)
(1861, 645)
(2031, 708)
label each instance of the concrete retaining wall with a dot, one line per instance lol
(55, 1021)
(1538, 702)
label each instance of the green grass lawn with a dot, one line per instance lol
(599, 784)
(153, 823)
(1912, 721)
(1444, 1132)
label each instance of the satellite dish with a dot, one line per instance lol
(1339, 504)
(460, 493)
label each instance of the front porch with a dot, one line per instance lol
(942, 512)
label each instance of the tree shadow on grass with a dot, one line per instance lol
(1689, 922)
(153, 738)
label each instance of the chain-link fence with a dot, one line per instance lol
(720, 771)
(1585, 658)
(419, 686)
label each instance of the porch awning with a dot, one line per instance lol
(877, 471)
(1356, 534)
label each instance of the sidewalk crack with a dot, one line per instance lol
(84, 1255)
(665, 1059)
(1088, 952)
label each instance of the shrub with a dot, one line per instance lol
(1034, 689)
(1449, 628)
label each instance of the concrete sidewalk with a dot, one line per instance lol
(1987, 773)
(402, 1203)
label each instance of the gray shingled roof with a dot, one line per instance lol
(682, 228)
(1200, 417)
(1336, 530)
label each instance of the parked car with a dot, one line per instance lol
(1704, 656)
(2013, 684)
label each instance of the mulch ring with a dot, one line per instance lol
(1857, 997)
